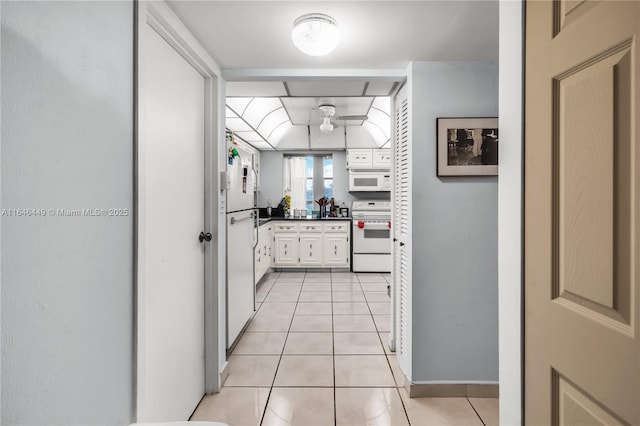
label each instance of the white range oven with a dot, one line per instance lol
(371, 236)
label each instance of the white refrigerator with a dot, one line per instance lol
(241, 240)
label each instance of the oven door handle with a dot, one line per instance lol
(374, 225)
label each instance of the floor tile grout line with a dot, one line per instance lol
(333, 357)
(273, 382)
(476, 411)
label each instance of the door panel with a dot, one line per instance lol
(582, 352)
(310, 249)
(171, 310)
(401, 231)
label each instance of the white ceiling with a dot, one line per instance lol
(374, 34)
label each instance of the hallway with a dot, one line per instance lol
(316, 353)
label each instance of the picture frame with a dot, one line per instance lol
(467, 146)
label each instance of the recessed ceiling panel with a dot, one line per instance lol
(326, 88)
(249, 136)
(256, 88)
(262, 146)
(238, 104)
(272, 120)
(380, 120)
(375, 131)
(230, 114)
(237, 125)
(379, 88)
(259, 108)
(383, 104)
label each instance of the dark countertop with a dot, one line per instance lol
(264, 220)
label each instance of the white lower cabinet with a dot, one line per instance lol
(310, 249)
(311, 244)
(286, 249)
(336, 250)
(263, 252)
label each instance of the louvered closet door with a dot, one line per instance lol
(401, 335)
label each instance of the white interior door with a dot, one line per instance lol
(171, 207)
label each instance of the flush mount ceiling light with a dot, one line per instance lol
(315, 34)
(328, 111)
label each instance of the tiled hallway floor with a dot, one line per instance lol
(316, 354)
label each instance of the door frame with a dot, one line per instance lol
(511, 211)
(162, 19)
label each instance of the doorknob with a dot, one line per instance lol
(205, 237)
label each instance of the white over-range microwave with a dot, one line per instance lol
(369, 181)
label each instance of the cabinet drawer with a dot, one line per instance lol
(310, 227)
(285, 227)
(337, 227)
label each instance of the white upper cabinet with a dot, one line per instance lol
(359, 159)
(362, 159)
(381, 159)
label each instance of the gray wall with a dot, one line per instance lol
(455, 232)
(271, 180)
(67, 108)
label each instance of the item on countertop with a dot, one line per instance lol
(303, 213)
(332, 209)
(287, 204)
(296, 212)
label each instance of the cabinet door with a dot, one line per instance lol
(336, 250)
(286, 250)
(258, 261)
(310, 249)
(382, 158)
(359, 159)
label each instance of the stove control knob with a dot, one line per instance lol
(360, 224)
(389, 224)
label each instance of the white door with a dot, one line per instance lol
(171, 262)
(582, 213)
(401, 228)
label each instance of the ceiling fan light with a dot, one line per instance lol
(315, 34)
(326, 126)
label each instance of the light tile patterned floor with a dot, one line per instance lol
(316, 354)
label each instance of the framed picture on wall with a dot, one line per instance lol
(467, 146)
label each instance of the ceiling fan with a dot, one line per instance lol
(328, 115)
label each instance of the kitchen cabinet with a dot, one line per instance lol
(381, 159)
(263, 251)
(359, 159)
(363, 159)
(310, 249)
(286, 249)
(312, 243)
(336, 250)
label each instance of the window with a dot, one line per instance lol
(307, 178)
